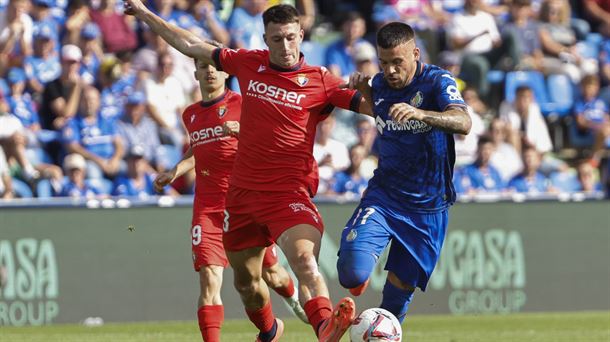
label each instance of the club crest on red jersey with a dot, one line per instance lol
(222, 110)
(302, 80)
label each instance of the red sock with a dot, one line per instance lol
(317, 310)
(262, 318)
(210, 320)
(286, 291)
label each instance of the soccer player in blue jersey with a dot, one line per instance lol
(417, 109)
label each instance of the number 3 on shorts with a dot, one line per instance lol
(225, 223)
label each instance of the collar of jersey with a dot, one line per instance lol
(293, 68)
(214, 101)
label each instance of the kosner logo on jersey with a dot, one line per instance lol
(29, 282)
(485, 271)
(206, 135)
(274, 94)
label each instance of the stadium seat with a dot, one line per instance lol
(577, 139)
(566, 181)
(314, 52)
(21, 189)
(534, 80)
(103, 185)
(234, 85)
(495, 76)
(561, 93)
(44, 189)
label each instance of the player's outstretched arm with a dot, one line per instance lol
(186, 164)
(361, 82)
(183, 40)
(454, 119)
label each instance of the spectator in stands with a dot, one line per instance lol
(591, 113)
(604, 62)
(61, 96)
(245, 25)
(166, 101)
(331, 155)
(93, 54)
(137, 129)
(339, 58)
(94, 139)
(43, 66)
(466, 145)
(137, 182)
(475, 34)
(20, 104)
(598, 11)
(13, 141)
(212, 27)
(16, 31)
(559, 41)
(41, 15)
(6, 181)
(350, 182)
(483, 176)
(588, 177)
(531, 180)
(523, 26)
(505, 157)
(524, 117)
(112, 100)
(365, 58)
(75, 168)
(117, 35)
(76, 18)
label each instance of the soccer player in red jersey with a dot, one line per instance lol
(213, 125)
(275, 174)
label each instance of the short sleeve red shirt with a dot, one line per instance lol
(214, 153)
(280, 111)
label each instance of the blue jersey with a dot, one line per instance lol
(96, 137)
(415, 160)
(487, 179)
(125, 186)
(23, 108)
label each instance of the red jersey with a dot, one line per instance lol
(214, 153)
(281, 108)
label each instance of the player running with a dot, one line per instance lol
(275, 174)
(213, 125)
(417, 109)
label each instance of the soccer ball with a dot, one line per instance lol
(375, 324)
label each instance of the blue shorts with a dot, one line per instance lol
(416, 239)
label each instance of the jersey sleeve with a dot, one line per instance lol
(339, 97)
(447, 92)
(70, 133)
(229, 60)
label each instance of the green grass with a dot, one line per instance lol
(534, 327)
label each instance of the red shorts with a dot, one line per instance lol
(258, 218)
(207, 246)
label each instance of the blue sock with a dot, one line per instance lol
(396, 300)
(269, 335)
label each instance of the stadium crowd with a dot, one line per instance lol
(91, 100)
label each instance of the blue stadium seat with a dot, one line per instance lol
(168, 155)
(534, 80)
(577, 139)
(21, 189)
(566, 181)
(561, 93)
(495, 76)
(234, 85)
(103, 185)
(44, 189)
(314, 52)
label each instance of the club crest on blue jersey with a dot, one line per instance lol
(351, 236)
(302, 80)
(222, 110)
(417, 100)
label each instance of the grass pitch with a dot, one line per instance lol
(536, 327)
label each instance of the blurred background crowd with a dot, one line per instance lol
(91, 99)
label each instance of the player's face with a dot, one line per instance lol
(284, 42)
(399, 63)
(208, 76)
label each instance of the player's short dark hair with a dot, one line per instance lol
(281, 14)
(393, 34)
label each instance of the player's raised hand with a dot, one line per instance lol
(163, 179)
(402, 112)
(133, 7)
(358, 81)
(231, 128)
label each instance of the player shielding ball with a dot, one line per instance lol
(417, 109)
(275, 174)
(213, 127)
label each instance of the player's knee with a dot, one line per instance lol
(305, 266)
(354, 268)
(246, 287)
